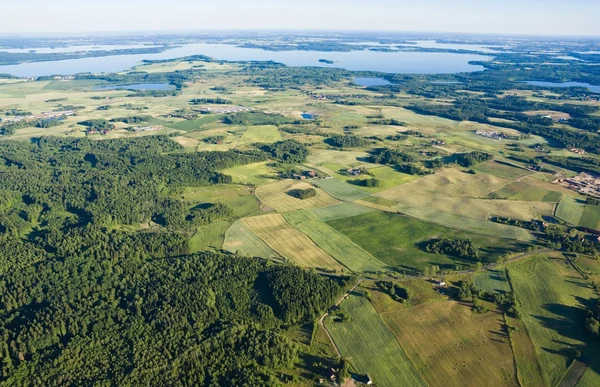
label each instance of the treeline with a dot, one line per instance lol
(215, 101)
(133, 119)
(287, 151)
(258, 118)
(345, 141)
(472, 158)
(462, 248)
(191, 320)
(394, 290)
(303, 194)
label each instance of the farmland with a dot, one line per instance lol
(578, 213)
(276, 196)
(370, 346)
(492, 281)
(289, 242)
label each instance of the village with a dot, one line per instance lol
(33, 117)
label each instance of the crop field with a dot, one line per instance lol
(578, 213)
(449, 182)
(261, 133)
(395, 240)
(450, 345)
(522, 191)
(191, 125)
(276, 196)
(341, 190)
(492, 281)
(289, 242)
(502, 170)
(344, 159)
(333, 243)
(239, 239)
(255, 173)
(380, 201)
(552, 295)
(238, 197)
(339, 211)
(371, 347)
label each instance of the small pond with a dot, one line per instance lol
(308, 116)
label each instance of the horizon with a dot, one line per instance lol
(508, 17)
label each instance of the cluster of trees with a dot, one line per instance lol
(215, 101)
(10, 128)
(98, 124)
(394, 290)
(572, 241)
(577, 164)
(345, 141)
(369, 182)
(592, 322)
(472, 158)
(303, 194)
(462, 248)
(217, 139)
(389, 156)
(533, 225)
(287, 151)
(388, 121)
(258, 118)
(132, 119)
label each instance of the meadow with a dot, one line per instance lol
(239, 239)
(492, 280)
(370, 346)
(276, 196)
(576, 212)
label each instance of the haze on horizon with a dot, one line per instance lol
(510, 17)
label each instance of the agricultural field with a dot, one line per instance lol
(492, 280)
(370, 346)
(339, 211)
(209, 237)
(341, 190)
(276, 196)
(576, 212)
(398, 240)
(254, 173)
(260, 133)
(520, 190)
(504, 170)
(239, 239)
(448, 344)
(554, 299)
(333, 243)
(238, 197)
(289, 242)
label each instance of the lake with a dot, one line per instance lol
(372, 82)
(364, 60)
(307, 116)
(138, 86)
(595, 89)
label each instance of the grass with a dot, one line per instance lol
(341, 190)
(371, 347)
(276, 196)
(238, 197)
(192, 125)
(343, 159)
(528, 367)
(591, 376)
(289, 242)
(238, 239)
(576, 212)
(265, 134)
(255, 173)
(333, 243)
(451, 346)
(523, 191)
(339, 211)
(502, 170)
(208, 237)
(380, 201)
(554, 300)
(492, 281)
(395, 240)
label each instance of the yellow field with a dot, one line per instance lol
(449, 345)
(289, 242)
(275, 195)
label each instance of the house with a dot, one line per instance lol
(312, 173)
(332, 375)
(354, 172)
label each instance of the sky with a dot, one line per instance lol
(509, 17)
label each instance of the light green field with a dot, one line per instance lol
(333, 243)
(523, 191)
(502, 170)
(371, 347)
(289, 242)
(341, 190)
(209, 237)
(276, 196)
(380, 201)
(255, 173)
(578, 213)
(197, 124)
(338, 211)
(238, 197)
(451, 346)
(591, 376)
(554, 300)
(395, 240)
(256, 134)
(344, 159)
(238, 239)
(492, 281)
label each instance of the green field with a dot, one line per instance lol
(394, 239)
(238, 239)
(255, 173)
(492, 281)
(333, 243)
(578, 213)
(339, 211)
(371, 347)
(502, 170)
(554, 300)
(263, 134)
(209, 237)
(191, 125)
(380, 201)
(341, 190)
(523, 191)
(238, 197)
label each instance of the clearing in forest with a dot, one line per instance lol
(449, 345)
(289, 242)
(370, 346)
(239, 238)
(277, 196)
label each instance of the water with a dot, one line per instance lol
(307, 116)
(72, 49)
(138, 86)
(595, 89)
(446, 82)
(365, 60)
(372, 82)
